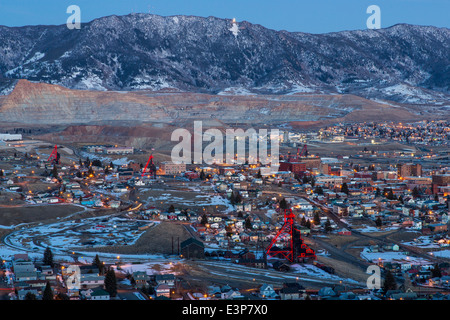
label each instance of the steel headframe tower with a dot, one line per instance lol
(297, 157)
(145, 168)
(294, 248)
(304, 151)
(53, 158)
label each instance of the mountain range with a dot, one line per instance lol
(184, 68)
(402, 63)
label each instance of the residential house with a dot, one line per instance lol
(231, 294)
(340, 209)
(326, 293)
(348, 296)
(292, 291)
(21, 294)
(97, 293)
(192, 249)
(162, 290)
(24, 270)
(280, 266)
(344, 232)
(398, 295)
(89, 278)
(141, 278)
(369, 208)
(267, 292)
(254, 263)
(46, 270)
(167, 279)
(214, 291)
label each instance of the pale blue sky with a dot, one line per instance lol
(314, 16)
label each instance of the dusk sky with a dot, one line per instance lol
(318, 16)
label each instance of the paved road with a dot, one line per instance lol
(227, 272)
(339, 254)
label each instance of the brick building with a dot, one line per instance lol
(409, 170)
(172, 168)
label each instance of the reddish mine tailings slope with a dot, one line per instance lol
(39, 103)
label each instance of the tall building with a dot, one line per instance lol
(311, 162)
(409, 170)
(439, 180)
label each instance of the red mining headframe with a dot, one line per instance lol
(152, 170)
(54, 156)
(293, 249)
(298, 156)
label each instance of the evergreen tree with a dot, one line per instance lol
(389, 282)
(305, 179)
(328, 227)
(204, 219)
(283, 204)
(316, 219)
(48, 257)
(248, 223)
(48, 292)
(390, 195)
(303, 221)
(133, 282)
(378, 222)
(202, 175)
(238, 197)
(30, 296)
(111, 282)
(171, 209)
(232, 198)
(377, 192)
(55, 172)
(436, 271)
(318, 190)
(151, 291)
(416, 192)
(344, 188)
(98, 263)
(308, 224)
(312, 181)
(97, 163)
(229, 231)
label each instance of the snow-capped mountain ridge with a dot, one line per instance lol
(210, 55)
